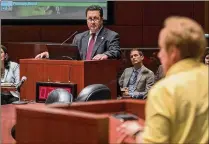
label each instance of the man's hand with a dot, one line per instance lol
(100, 57)
(42, 55)
(128, 128)
(124, 91)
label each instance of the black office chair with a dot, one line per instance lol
(59, 96)
(94, 92)
(13, 131)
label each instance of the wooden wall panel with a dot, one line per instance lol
(130, 36)
(20, 33)
(128, 13)
(154, 13)
(137, 22)
(206, 14)
(60, 33)
(150, 36)
(199, 12)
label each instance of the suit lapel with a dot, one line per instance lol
(128, 75)
(99, 40)
(85, 41)
(140, 75)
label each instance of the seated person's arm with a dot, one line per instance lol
(42, 55)
(149, 83)
(16, 72)
(120, 82)
(159, 73)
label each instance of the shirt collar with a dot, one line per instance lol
(97, 31)
(183, 65)
(138, 70)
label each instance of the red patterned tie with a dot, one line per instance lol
(90, 47)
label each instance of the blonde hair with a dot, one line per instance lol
(187, 35)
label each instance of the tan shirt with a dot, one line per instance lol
(177, 106)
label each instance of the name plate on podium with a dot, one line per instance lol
(44, 88)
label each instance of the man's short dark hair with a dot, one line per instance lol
(137, 49)
(95, 8)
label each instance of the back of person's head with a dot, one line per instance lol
(95, 8)
(186, 35)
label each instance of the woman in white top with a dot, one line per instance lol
(10, 73)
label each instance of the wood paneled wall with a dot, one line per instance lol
(137, 22)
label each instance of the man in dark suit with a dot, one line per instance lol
(137, 80)
(98, 43)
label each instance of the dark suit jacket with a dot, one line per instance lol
(107, 42)
(145, 80)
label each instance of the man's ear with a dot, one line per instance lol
(175, 54)
(142, 57)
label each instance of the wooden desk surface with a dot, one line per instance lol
(4, 88)
(8, 119)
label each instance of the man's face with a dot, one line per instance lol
(136, 57)
(207, 59)
(164, 55)
(94, 21)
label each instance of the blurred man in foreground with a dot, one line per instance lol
(98, 43)
(177, 106)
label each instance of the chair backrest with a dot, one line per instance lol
(56, 96)
(13, 132)
(59, 96)
(94, 92)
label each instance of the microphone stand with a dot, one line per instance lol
(69, 37)
(19, 102)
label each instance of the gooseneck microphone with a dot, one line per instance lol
(69, 37)
(18, 86)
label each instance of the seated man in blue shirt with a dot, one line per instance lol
(137, 79)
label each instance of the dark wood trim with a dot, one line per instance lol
(207, 16)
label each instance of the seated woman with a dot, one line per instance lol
(10, 73)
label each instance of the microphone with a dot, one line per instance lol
(18, 86)
(69, 37)
(207, 35)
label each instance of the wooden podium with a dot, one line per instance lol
(82, 122)
(83, 73)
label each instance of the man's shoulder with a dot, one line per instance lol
(147, 71)
(128, 69)
(82, 33)
(183, 80)
(111, 32)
